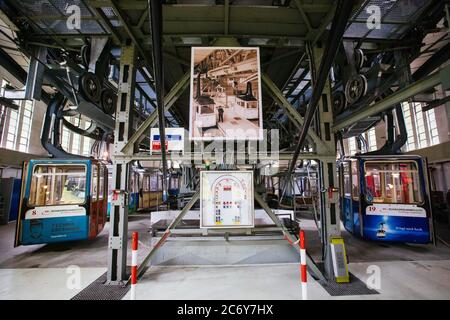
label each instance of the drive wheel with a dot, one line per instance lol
(339, 102)
(355, 88)
(85, 55)
(90, 87)
(108, 101)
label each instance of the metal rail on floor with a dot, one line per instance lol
(313, 269)
(167, 233)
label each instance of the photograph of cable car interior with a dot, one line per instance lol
(225, 94)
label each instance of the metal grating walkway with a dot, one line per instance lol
(98, 290)
(355, 287)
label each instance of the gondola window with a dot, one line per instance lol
(392, 182)
(57, 185)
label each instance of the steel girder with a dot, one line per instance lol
(393, 99)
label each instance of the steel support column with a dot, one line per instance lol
(118, 229)
(328, 180)
(155, 10)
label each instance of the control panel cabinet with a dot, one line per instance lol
(226, 199)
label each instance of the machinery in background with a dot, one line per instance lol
(61, 200)
(386, 198)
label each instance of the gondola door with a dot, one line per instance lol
(21, 213)
(427, 191)
(103, 197)
(346, 195)
(94, 207)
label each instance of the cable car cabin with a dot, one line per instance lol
(174, 184)
(386, 198)
(133, 199)
(61, 200)
(151, 191)
(205, 116)
(246, 109)
(246, 105)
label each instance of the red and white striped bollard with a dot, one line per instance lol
(303, 265)
(134, 255)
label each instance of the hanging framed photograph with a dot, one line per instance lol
(225, 96)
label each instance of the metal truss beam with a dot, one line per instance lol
(169, 100)
(343, 13)
(303, 14)
(292, 112)
(278, 21)
(199, 157)
(313, 269)
(399, 96)
(167, 233)
(121, 15)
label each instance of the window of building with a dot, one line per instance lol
(11, 132)
(410, 144)
(372, 139)
(10, 122)
(87, 142)
(420, 126)
(65, 139)
(25, 132)
(352, 146)
(87, 146)
(432, 127)
(75, 143)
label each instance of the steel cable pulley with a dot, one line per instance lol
(90, 87)
(108, 101)
(85, 55)
(339, 102)
(359, 59)
(355, 88)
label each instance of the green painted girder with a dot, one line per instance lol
(238, 20)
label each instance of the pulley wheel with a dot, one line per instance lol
(339, 102)
(355, 88)
(85, 54)
(359, 59)
(108, 101)
(90, 87)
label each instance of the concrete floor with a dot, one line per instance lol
(40, 272)
(399, 280)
